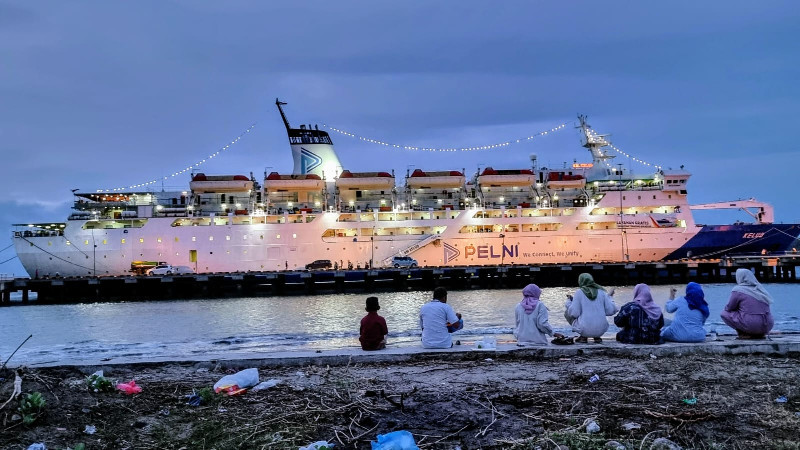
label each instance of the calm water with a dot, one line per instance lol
(246, 326)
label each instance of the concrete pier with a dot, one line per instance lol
(787, 345)
(214, 285)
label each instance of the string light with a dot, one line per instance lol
(448, 149)
(184, 170)
(599, 138)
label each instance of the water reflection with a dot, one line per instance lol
(241, 326)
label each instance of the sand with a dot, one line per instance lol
(507, 399)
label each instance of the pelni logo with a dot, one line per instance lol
(450, 252)
(308, 161)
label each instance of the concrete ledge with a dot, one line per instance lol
(782, 344)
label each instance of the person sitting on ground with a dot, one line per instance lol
(691, 312)
(748, 310)
(532, 324)
(436, 319)
(586, 311)
(641, 319)
(373, 327)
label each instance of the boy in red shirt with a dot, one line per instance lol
(373, 327)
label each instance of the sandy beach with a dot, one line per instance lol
(718, 395)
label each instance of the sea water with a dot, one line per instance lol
(248, 326)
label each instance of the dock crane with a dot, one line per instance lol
(763, 212)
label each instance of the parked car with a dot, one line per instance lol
(404, 261)
(161, 269)
(320, 264)
(182, 270)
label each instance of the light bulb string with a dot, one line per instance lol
(186, 169)
(444, 149)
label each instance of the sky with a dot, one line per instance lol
(97, 95)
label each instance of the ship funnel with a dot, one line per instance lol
(312, 150)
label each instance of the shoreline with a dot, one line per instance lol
(778, 344)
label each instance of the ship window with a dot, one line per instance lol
(654, 197)
(669, 196)
(244, 237)
(640, 197)
(623, 197)
(227, 238)
(294, 235)
(277, 236)
(141, 240)
(211, 238)
(194, 238)
(123, 240)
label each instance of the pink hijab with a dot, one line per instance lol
(530, 297)
(642, 296)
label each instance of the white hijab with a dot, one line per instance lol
(746, 283)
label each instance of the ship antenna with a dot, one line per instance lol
(283, 116)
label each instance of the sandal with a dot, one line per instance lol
(598, 340)
(563, 340)
(581, 340)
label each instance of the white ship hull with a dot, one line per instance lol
(278, 246)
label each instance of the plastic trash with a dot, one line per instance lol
(266, 384)
(594, 379)
(488, 343)
(628, 426)
(37, 446)
(592, 427)
(238, 382)
(690, 401)
(129, 388)
(90, 429)
(396, 440)
(319, 445)
(781, 399)
(194, 400)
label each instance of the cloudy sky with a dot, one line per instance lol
(101, 94)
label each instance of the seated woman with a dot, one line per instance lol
(532, 325)
(586, 311)
(747, 311)
(641, 320)
(691, 312)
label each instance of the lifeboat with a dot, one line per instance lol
(202, 183)
(517, 177)
(444, 179)
(294, 183)
(365, 181)
(561, 180)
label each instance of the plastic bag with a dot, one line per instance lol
(129, 388)
(266, 384)
(238, 382)
(396, 440)
(319, 445)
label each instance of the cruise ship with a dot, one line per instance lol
(591, 212)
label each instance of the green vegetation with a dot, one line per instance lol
(31, 408)
(99, 383)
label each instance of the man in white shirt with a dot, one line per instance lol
(434, 318)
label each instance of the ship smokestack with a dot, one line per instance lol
(312, 150)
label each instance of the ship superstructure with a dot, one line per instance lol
(584, 212)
